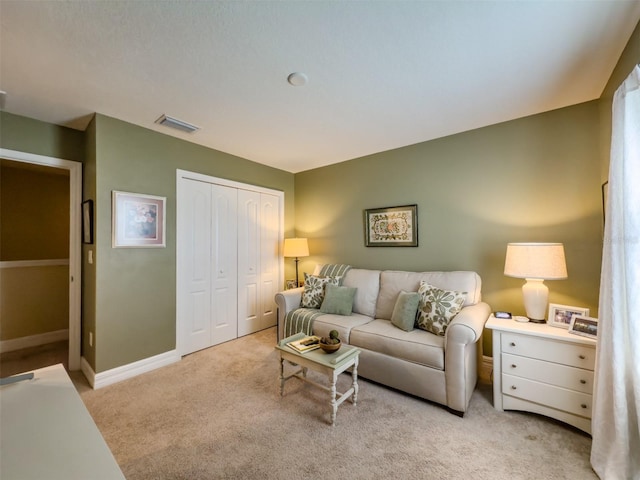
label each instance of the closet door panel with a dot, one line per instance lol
(194, 234)
(248, 262)
(269, 258)
(224, 248)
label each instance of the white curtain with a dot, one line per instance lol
(615, 452)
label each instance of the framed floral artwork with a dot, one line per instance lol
(391, 226)
(138, 220)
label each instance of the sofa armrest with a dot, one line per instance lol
(461, 345)
(468, 324)
(286, 301)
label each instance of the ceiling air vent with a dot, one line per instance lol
(177, 124)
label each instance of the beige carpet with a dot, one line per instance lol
(218, 414)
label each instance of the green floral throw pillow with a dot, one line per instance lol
(314, 289)
(438, 307)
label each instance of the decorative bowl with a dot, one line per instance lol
(330, 348)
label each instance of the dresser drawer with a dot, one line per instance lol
(574, 355)
(545, 394)
(571, 378)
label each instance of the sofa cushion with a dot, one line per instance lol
(338, 300)
(368, 284)
(393, 282)
(405, 310)
(438, 307)
(323, 324)
(416, 346)
(314, 289)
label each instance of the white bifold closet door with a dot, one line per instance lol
(258, 260)
(228, 262)
(208, 254)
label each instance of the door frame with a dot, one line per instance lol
(75, 247)
(187, 175)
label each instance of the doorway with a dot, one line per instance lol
(75, 199)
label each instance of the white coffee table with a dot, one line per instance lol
(330, 364)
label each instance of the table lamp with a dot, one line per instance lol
(535, 262)
(296, 247)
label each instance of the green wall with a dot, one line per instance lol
(534, 179)
(33, 136)
(89, 269)
(135, 299)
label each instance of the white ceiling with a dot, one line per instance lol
(382, 74)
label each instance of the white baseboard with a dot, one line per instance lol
(486, 369)
(115, 375)
(34, 340)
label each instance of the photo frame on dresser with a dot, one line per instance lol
(584, 326)
(561, 315)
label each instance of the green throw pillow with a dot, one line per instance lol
(405, 310)
(438, 307)
(338, 300)
(313, 294)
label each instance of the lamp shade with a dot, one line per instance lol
(296, 247)
(535, 260)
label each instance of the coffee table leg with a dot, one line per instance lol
(282, 380)
(334, 403)
(354, 384)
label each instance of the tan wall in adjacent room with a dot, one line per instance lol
(34, 207)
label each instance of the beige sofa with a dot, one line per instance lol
(442, 369)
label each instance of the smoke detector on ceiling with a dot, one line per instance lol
(177, 124)
(297, 79)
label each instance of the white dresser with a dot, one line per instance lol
(47, 432)
(543, 369)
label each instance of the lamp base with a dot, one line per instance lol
(535, 320)
(535, 294)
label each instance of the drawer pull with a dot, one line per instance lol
(583, 382)
(513, 365)
(513, 387)
(584, 405)
(581, 357)
(513, 344)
